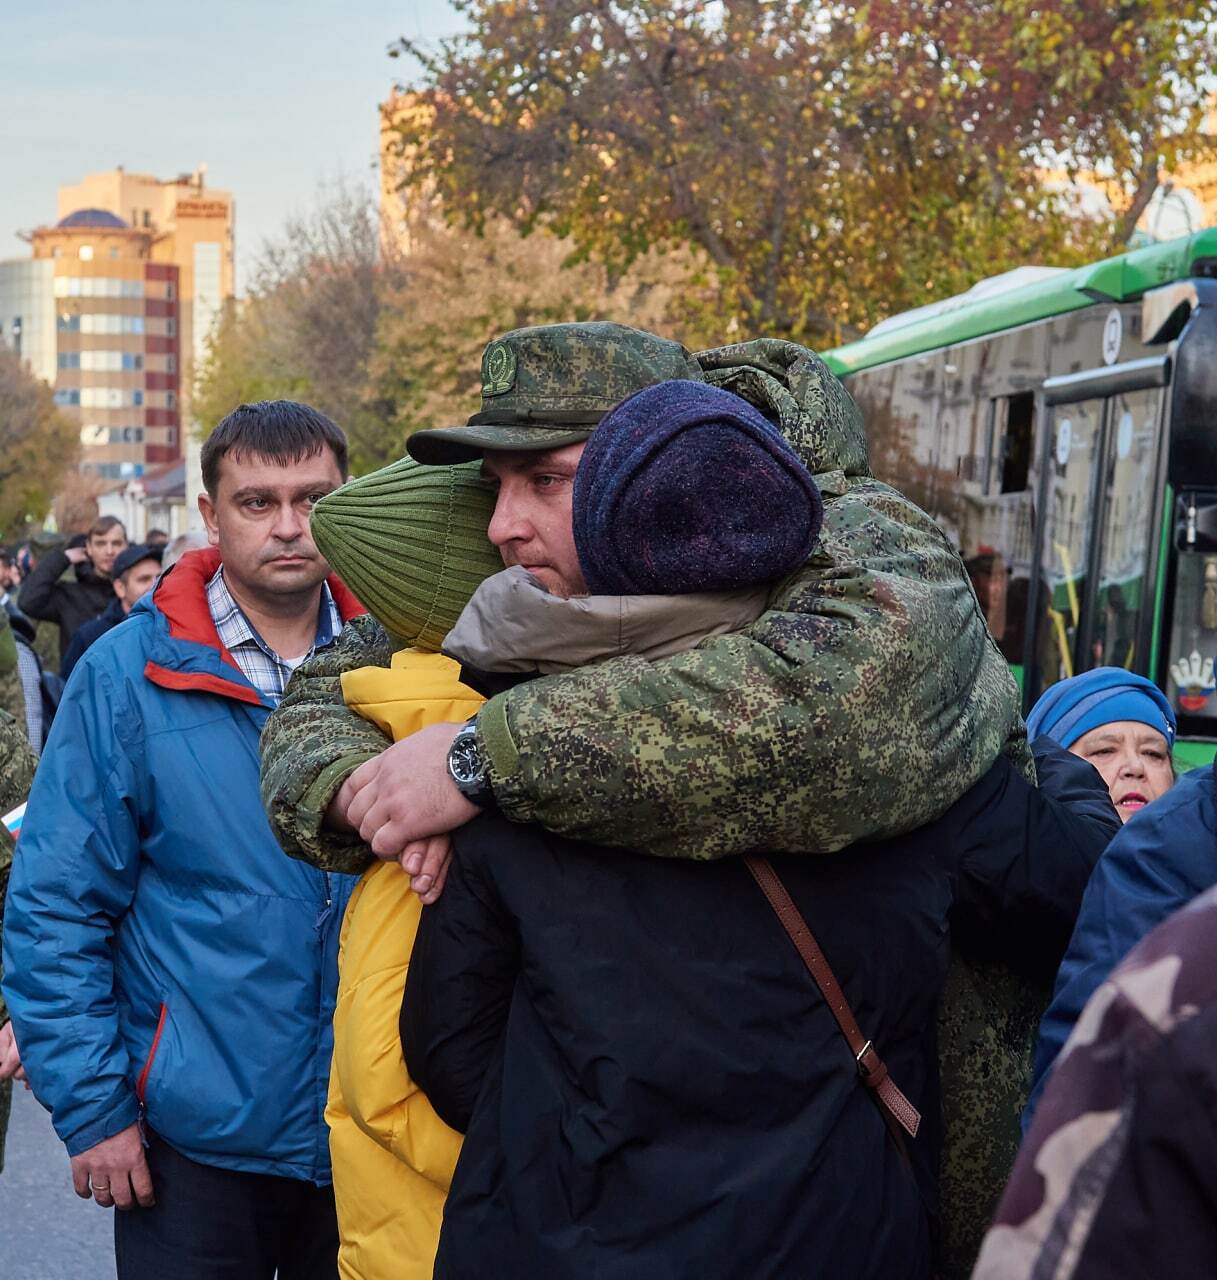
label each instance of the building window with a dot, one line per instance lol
(67, 397)
(171, 364)
(70, 359)
(109, 398)
(67, 324)
(86, 253)
(171, 435)
(170, 400)
(102, 322)
(171, 327)
(97, 287)
(170, 291)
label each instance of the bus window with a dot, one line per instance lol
(1066, 539)
(1012, 452)
(1128, 508)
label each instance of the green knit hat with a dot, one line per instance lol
(410, 542)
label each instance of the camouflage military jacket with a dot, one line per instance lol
(12, 699)
(17, 765)
(861, 704)
(1118, 1172)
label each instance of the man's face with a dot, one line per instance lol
(258, 518)
(532, 524)
(101, 548)
(135, 582)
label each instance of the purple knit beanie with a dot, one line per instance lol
(685, 487)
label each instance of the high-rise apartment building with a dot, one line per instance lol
(114, 306)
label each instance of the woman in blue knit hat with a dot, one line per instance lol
(1118, 721)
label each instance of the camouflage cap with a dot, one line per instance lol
(549, 385)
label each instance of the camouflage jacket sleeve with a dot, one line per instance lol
(16, 778)
(312, 743)
(863, 704)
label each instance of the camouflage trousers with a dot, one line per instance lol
(986, 1031)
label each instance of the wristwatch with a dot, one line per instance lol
(467, 767)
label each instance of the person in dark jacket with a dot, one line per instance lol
(649, 1081)
(1118, 1175)
(69, 604)
(133, 573)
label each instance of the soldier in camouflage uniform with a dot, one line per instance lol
(17, 764)
(866, 699)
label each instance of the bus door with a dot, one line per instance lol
(1098, 503)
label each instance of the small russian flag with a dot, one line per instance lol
(12, 821)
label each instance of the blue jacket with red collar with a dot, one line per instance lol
(162, 957)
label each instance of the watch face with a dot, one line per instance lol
(464, 762)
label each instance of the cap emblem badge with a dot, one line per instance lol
(498, 369)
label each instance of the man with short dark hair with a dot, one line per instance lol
(171, 976)
(156, 538)
(133, 572)
(70, 604)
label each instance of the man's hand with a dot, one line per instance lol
(336, 815)
(403, 798)
(10, 1056)
(115, 1172)
(76, 555)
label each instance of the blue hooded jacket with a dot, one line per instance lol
(162, 957)
(1161, 859)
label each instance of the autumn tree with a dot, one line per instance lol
(461, 288)
(831, 163)
(307, 327)
(386, 341)
(38, 445)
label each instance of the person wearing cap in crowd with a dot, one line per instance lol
(134, 571)
(628, 493)
(595, 1080)
(1121, 723)
(1125, 727)
(69, 601)
(863, 702)
(410, 541)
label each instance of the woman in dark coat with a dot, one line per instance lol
(649, 1081)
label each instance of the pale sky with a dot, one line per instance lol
(277, 97)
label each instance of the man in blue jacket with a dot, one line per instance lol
(171, 976)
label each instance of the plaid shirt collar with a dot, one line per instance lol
(259, 663)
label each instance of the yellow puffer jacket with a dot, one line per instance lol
(393, 1156)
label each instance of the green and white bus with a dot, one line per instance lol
(1061, 426)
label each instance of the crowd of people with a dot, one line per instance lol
(604, 843)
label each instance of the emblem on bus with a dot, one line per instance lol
(1113, 335)
(1194, 678)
